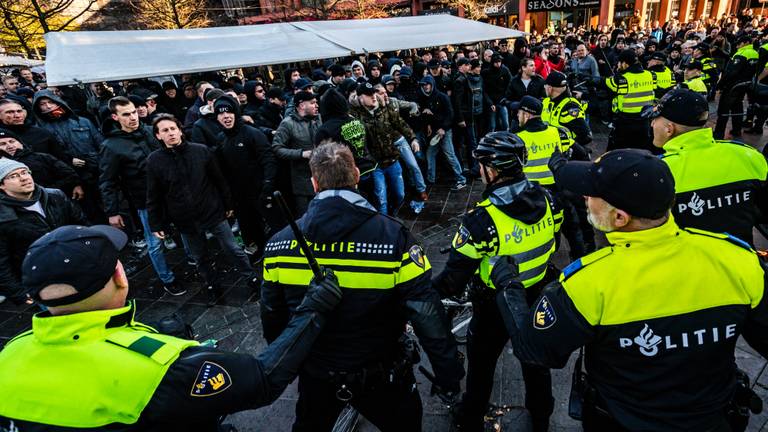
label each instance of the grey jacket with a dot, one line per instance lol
(295, 135)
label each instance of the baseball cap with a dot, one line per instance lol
(462, 61)
(80, 256)
(682, 106)
(213, 94)
(445, 63)
(556, 79)
(386, 79)
(303, 83)
(433, 64)
(632, 180)
(365, 89)
(303, 97)
(528, 104)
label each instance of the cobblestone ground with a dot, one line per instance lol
(235, 322)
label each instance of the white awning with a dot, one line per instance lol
(6, 60)
(116, 55)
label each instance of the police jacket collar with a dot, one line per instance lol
(563, 95)
(635, 68)
(693, 139)
(535, 124)
(334, 213)
(649, 237)
(82, 326)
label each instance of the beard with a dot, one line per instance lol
(600, 222)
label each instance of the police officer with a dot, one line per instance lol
(692, 78)
(517, 218)
(562, 109)
(708, 65)
(633, 89)
(87, 364)
(659, 342)
(720, 185)
(664, 77)
(738, 71)
(385, 277)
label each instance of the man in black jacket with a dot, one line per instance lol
(49, 171)
(359, 354)
(206, 130)
(122, 167)
(27, 211)
(251, 167)
(271, 113)
(496, 79)
(340, 127)
(186, 187)
(15, 118)
(437, 120)
(526, 83)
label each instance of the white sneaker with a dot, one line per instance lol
(2, 298)
(169, 243)
(251, 249)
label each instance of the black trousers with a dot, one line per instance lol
(595, 419)
(730, 103)
(487, 338)
(390, 406)
(630, 132)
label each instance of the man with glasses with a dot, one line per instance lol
(27, 212)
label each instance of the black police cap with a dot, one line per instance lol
(657, 55)
(681, 106)
(528, 104)
(632, 180)
(82, 257)
(694, 64)
(556, 79)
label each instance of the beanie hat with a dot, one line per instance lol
(8, 134)
(8, 166)
(225, 104)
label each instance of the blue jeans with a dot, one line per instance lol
(501, 116)
(155, 246)
(446, 146)
(409, 159)
(386, 179)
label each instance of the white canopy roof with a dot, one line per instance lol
(116, 55)
(7, 60)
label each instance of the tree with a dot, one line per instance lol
(26, 21)
(364, 9)
(171, 14)
(473, 9)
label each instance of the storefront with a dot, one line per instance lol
(562, 14)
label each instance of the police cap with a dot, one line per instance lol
(632, 180)
(658, 55)
(528, 104)
(628, 56)
(682, 106)
(556, 79)
(694, 64)
(82, 257)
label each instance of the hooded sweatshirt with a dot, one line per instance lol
(341, 127)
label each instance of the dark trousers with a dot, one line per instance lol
(595, 419)
(196, 245)
(630, 132)
(731, 106)
(389, 406)
(252, 216)
(487, 338)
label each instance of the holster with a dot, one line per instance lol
(744, 402)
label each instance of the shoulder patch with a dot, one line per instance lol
(584, 261)
(417, 255)
(544, 316)
(211, 379)
(462, 237)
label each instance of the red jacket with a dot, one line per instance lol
(542, 66)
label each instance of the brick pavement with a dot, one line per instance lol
(235, 323)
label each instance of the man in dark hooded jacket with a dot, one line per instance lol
(81, 139)
(496, 79)
(340, 127)
(122, 167)
(206, 130)
(247, 158)
(49, 171)
(257, 97)
(15, 118)
(270, 114)
(27, 212)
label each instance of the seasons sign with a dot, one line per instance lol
(555, 5)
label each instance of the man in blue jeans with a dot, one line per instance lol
(437, 121)
(383, 126)
(122, 167)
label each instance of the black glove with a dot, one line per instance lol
(449, 397)
(324, 293)
(505, 271)
(556, 161)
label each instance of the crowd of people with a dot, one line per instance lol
(350, 142)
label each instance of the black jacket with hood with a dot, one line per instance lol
(338, 126)
(206, 130)
(363, 331)
(185, 186)
(438, 103)
(47, 171)
(20, 227)
(122, 165)
(254, 104)
(39, 140)
(246, 157)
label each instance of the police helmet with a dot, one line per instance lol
(503, 151)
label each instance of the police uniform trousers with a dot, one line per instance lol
(731, 106)
(487, 337)
(392, 405)
(595, 419)
(630, 132)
